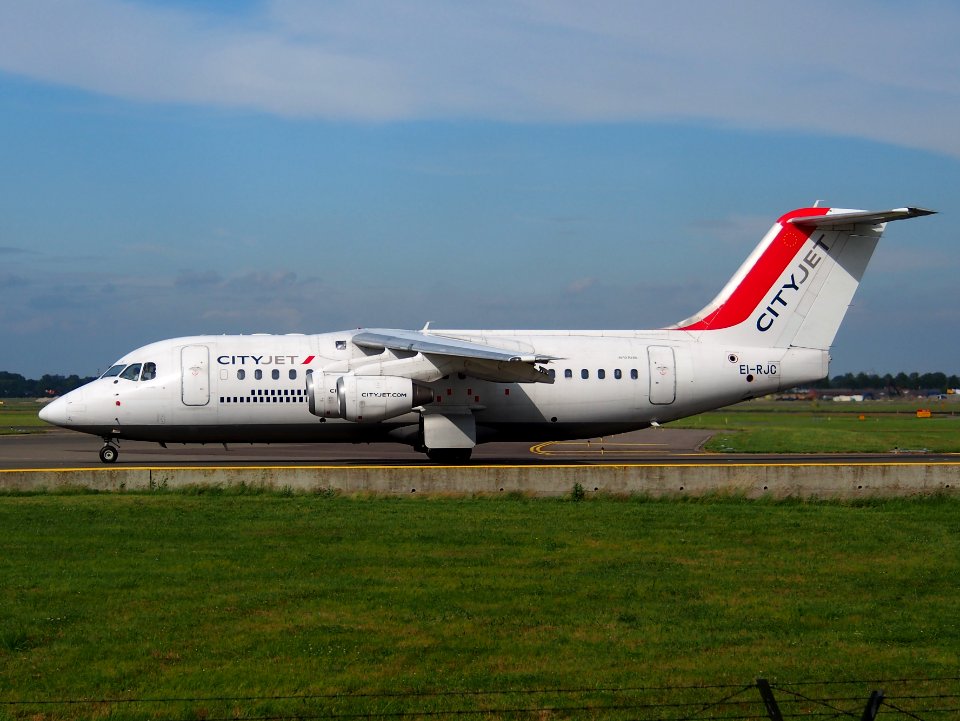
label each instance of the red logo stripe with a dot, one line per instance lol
(760, 278)
(309, 358)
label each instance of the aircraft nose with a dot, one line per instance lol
(55, 412)
(58, 410)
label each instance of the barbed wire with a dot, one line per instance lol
(732, 706)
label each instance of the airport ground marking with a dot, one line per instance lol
(589, 447)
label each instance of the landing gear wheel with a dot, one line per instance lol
(449, 455)
(108, 454)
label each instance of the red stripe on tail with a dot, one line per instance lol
(760, 278)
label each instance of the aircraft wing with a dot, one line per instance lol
(478, 359)
(420, 342)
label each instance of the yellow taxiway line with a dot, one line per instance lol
(600, 448)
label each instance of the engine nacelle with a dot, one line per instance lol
(322, 394)
(364, 399)
(368, 399)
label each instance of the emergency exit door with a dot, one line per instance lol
(663, 375)
(195, 375)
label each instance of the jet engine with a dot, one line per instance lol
(322, 394)
(364, 399)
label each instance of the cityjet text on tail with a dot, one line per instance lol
(444, 391)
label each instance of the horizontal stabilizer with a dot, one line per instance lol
(858, 217)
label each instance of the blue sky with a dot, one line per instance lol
(173, 168)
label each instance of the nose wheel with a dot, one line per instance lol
(109, 453)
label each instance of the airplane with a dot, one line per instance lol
(445, 391)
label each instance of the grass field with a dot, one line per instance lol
(873, 427)
(20, 416)
(166, 595)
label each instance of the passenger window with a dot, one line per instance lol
(633, 374)
(258, 374)
(149, 372)
(292, 374)
(552, 373)
(241, 374)
(113, 371)
(568, 373)
(131, 372)
(617, 374)
(601, 374)
(275, 374)
(584, 374)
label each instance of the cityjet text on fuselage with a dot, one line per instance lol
(262, 360)
(807, 266)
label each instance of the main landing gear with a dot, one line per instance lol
(109, 452)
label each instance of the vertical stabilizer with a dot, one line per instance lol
(796, 286)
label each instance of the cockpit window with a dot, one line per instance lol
(131, 372)
(114, 370)
(149, 372)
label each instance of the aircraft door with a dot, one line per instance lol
(195, 375)
(663, 375)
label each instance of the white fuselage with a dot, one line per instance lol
(253, 388)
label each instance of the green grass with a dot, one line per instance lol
(826, 428)
(21, 417)
(169, 595)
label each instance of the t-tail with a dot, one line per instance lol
(795, 288)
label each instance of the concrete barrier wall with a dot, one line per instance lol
(775, 480)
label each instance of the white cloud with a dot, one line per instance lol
(153, 54)
(581, 285)
(860, 69)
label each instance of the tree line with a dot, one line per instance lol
(896, 383)
(14, 385)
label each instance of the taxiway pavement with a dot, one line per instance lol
(63, 449)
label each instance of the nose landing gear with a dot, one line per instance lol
(109, 452)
